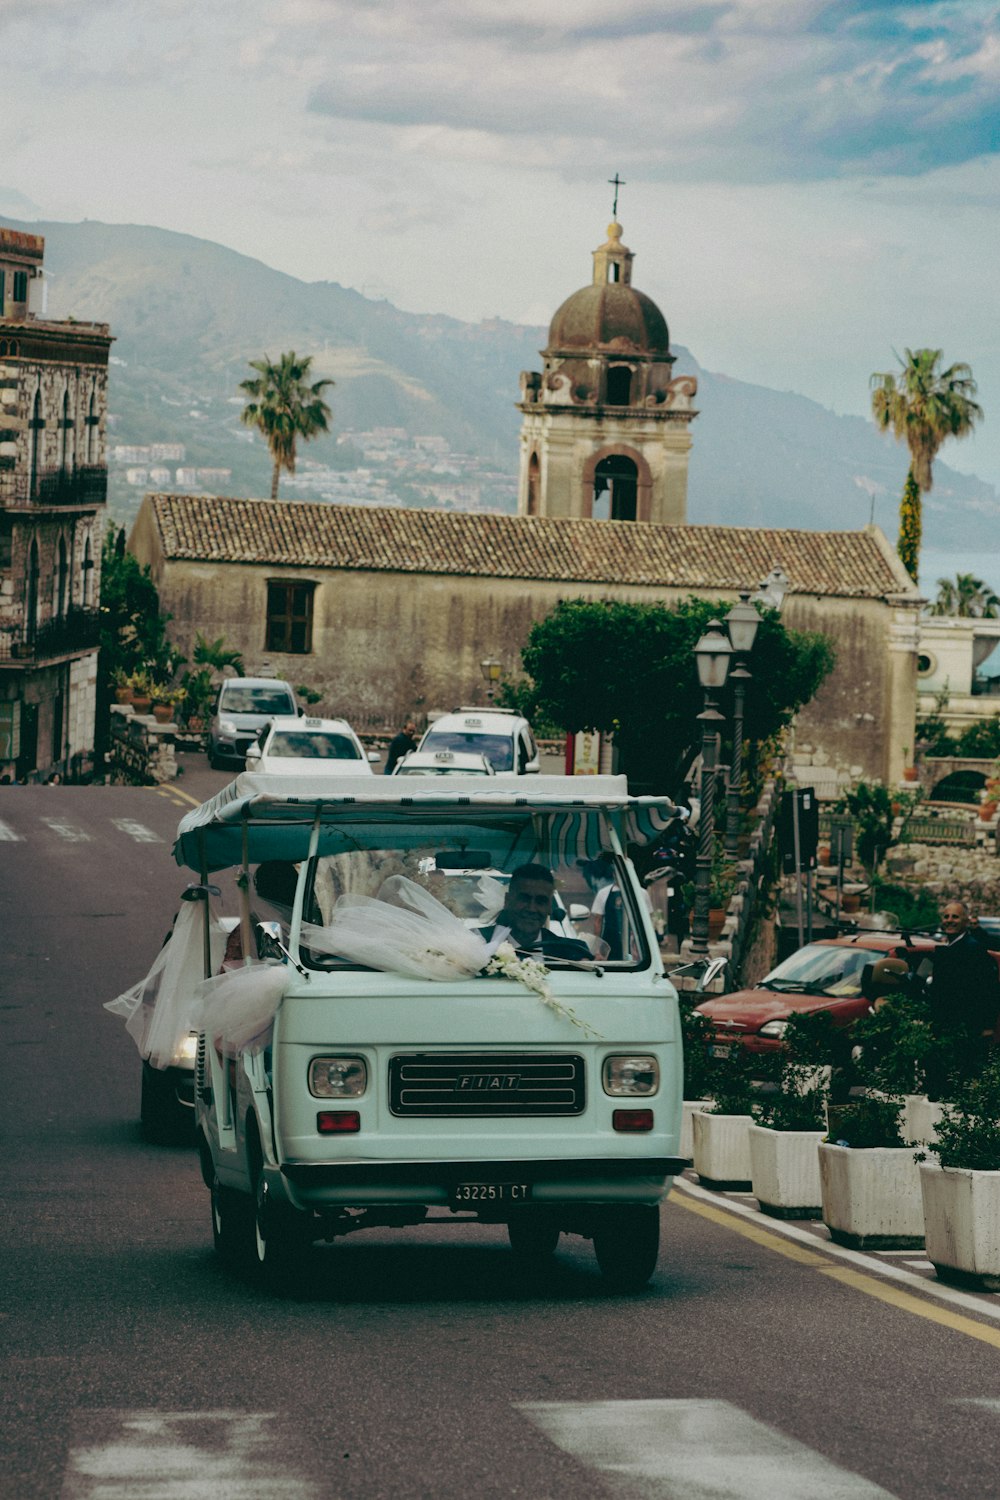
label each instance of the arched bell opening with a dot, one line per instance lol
(616, 482)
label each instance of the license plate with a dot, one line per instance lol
(491, 1192)
(719, 1049)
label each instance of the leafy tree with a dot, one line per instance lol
(874, 809)
(980, 740)
(629, 670)
(924, 406)
(966, 597)
(284, 407)
(133, 632)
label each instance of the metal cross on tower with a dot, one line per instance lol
(616, 182)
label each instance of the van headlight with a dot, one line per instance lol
(338, 1077)
(629, 1074)
(186, 1052)
(226, 726)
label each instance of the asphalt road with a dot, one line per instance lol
(409, 1363)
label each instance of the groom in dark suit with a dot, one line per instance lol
(526, 912)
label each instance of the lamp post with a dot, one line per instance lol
(491, 670)
(742, 622)
(712, 655)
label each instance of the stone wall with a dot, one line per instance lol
(971, 875)
(142, 752)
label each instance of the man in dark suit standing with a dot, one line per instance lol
(964, 997)
(401, 744)
(526, 912)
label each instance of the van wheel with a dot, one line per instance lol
(533, 1235)
(627, 1245)
(232, 1226)
(280, 1236)
(164, 1120)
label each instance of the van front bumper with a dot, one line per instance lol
(636, 1179)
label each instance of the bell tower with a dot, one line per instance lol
(605, 430)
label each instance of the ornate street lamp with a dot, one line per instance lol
(491, 670)
(742, 622)
(712, 654)
(772, 589)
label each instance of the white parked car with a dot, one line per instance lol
(442, 763)
(501, 735)
(305, 747)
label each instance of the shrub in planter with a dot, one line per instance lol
(697, 1032)
(789, 1124)
(961, 1192)
(720, 1131)
(896, 1043)
(869, 1181)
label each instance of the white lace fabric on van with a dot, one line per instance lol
(404, 929)
(236, 1009)
(158, 1010)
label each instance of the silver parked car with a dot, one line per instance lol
(244, 706)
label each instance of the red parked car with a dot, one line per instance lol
(825, 975)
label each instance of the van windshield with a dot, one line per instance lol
(497, 748)
(255, 700)
(465, 862)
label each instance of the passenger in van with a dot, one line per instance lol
(526, 912)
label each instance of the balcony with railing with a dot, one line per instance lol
(63, 487)
(76, 631)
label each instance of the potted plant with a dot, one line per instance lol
(141, 684)
(789, 1123)
(198, 691)
(910, 772)
(697, 1032)
(721, 1131)
(869, 1183)
(122, 685)
(961, 1190)
(722, 884)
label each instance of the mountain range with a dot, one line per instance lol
(188, 314)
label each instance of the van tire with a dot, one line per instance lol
(280, 1240)
(232, 1226)
(627, 1245)
(533, 1236)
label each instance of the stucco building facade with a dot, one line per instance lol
(53, 485)
(388, 612)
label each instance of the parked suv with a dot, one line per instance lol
(244, 706)
(501, 735)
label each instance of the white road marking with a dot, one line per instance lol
(8, 836)
(137, 831)
(67, 831)
(181, 1455)
(986, 1305)
(692, 1450)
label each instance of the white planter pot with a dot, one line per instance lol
(962, 1224)
(920, 1119)
(784, 1168)
(871, 1197)
(722, 1150)
(690, 1108)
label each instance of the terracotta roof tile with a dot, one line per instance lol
(205, 528)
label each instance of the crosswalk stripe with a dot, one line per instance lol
(8, 836)
(137, 831)
(181, 1455)
(67, 831)
(673, 1450)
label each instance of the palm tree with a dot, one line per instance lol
(967, 597)
(923, 405)
(284, 408)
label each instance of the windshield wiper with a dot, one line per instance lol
(786, 986)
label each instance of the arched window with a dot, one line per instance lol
(31, 598)
(35, 445)
(91, 428)
(619, 387)
(615, 485)
(62, 579)
(87, 570)
(534, 482)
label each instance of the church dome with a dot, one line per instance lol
(610, 313)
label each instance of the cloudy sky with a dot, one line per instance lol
(811, 186)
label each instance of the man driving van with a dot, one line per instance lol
(526, 912)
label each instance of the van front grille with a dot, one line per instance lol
(478, 1084)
